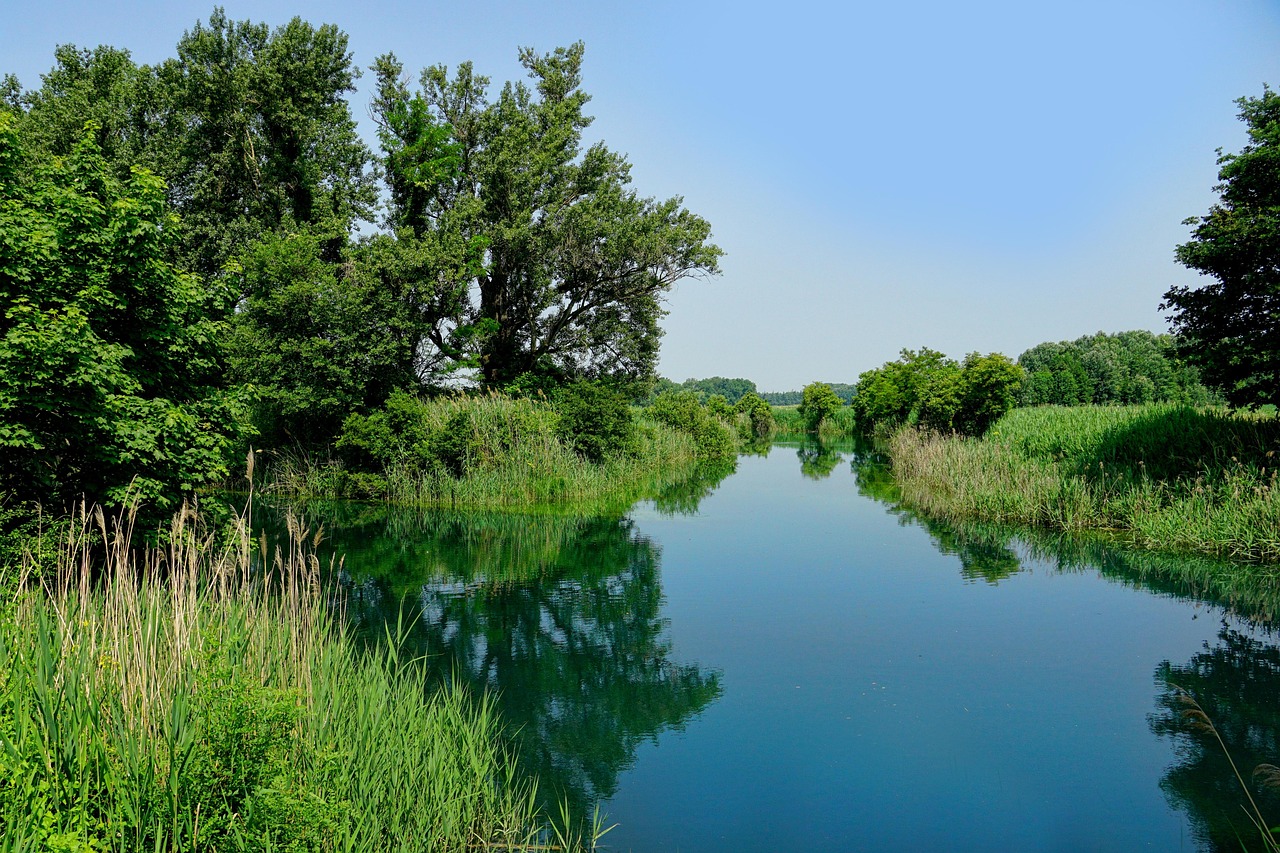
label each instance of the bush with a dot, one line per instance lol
(817, 404)
(683, 412)
(594, 420)
(756, 416)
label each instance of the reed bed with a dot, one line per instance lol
(1168, 477)
(200, 697)
(508, 455)
(788, 422)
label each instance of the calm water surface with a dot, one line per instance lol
(784, 661)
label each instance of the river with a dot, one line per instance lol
(784, 659)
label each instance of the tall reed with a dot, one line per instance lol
(508, 454)
(1169, 477)
(199, 696)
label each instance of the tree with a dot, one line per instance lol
(1230, 327)
(248, 126)
(989, 386)
(258, 135)
(818, 404)
(110, 362)
(576, 263)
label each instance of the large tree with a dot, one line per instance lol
(576, 264)
(1230, 326)
(249, 127)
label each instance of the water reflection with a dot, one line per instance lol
(1236, 681)
(818, 459)
(558, 616)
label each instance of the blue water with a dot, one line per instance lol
(797, 666)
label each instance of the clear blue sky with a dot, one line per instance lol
(964, 176)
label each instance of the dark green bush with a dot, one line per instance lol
(594, 420)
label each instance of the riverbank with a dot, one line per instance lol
(493, 451)
(1166, 477)
(202, 696)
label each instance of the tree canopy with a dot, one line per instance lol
(1121, 368)
(1229, 327)
(925, 387)
(575, 263)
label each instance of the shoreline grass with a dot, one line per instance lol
(789, 423)
(1167, 477)
(508, 455)
(201, 697)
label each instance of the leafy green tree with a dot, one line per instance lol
(919, 384)
(759, 416)
(731, 389)
(323, 340)
(926, 388)
(719, 406)
(110, 364)
(102, 86)
(248, 126)
(989, 387)
(682, 411)
(1230, 327)
(1123, 368)
(258, 135)
(818, 404)
(576, 263)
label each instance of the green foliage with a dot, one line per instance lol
(989, 386)
(719, 407)
(1173, 477)
(110, 358)
(755, 416)
(322, 340)
(794, 398)
(1230, 327)
(206, 711)
(817, 404)
(1127, 367)
(248, 127)
(931, 390)
(731, 389)
(490, 450)
(594, 420)
(683, 412)
(576, 263)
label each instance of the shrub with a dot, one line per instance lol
(683, 412)
(818, 403)
(756, 416)
(594, 420)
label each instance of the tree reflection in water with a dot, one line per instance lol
(558, 616)
(1237, 683)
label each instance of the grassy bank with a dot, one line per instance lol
(490, 451)
(789, 423)
(1168, 477)
(194, 698)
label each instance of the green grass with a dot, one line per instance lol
(201, 698)
(1170, 477)
(788, 422)
(511, 457)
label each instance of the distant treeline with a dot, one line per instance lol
(734, 389)
(928, 388)
(1127, 367)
